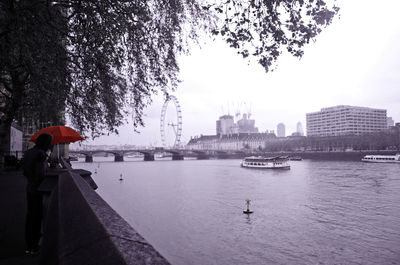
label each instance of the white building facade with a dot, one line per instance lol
(235, 142)
(345, 120)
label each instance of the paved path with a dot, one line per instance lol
(12, 220)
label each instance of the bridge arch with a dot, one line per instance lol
(118, 157)
(148, 154)
(87, 154)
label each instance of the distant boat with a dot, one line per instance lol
(163, 155)
(279, 162)
(382, 158)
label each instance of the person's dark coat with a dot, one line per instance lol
(34, 165)
(34, 168)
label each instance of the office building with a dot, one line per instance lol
(246, 125)
(345, 120)
(225, 125)
(390, 122)
(299, 129)
(281, 131)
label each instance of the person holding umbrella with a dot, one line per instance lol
(34, 169)
(61, 134)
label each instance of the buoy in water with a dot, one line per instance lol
(120, 177)
(95, 171)
(247, 211)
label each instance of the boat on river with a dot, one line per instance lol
(382, 158)
(278, 162)
(163, 155)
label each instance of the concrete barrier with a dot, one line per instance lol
(81, 228)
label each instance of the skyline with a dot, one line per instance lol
(353, 62)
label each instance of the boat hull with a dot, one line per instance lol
(266, 166)
(259, 162)
(381, 158)
(380, 161)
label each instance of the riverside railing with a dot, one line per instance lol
(81, 228)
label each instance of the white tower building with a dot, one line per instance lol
(299, 129)
(281, 130)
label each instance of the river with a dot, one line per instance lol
(318, 212)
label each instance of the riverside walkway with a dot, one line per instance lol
(12, 220)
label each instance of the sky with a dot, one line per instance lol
(354, 61)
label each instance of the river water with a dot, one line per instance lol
(318, 212)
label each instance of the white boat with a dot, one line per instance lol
(163, 155)
(279, 162)
(382, 158)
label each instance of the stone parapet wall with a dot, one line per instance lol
(81, 228)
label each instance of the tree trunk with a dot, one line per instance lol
(4, 143)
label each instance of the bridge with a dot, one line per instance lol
(148, 154)
(179, 154)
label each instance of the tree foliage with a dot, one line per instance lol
(32, 62)
(263, 28)
(99, 60)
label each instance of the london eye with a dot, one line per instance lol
(176, 124)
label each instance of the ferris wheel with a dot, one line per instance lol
(176, 125)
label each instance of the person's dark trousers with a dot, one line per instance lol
(33, 217)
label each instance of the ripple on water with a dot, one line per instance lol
(315, 213)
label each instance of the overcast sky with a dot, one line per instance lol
(355, 61)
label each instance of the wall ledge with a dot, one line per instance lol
(83, 229)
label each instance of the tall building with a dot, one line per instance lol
(280, 128)
(225, 125)
(246, 125)
(299, 129)
(390, 122)
(345, 120)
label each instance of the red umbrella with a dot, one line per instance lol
(61, 134)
